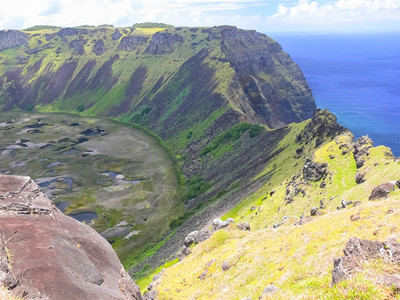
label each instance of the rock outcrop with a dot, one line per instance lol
(130, 43)
(99, 47)
(382, 191)
(11, 38)
(194, 237)
(358, 251)
(218, 224)
(47, 254)
(361, 150)
(163, 43)
(314, 171)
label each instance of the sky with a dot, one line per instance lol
(342, 16)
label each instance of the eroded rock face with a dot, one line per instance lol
(99, 47)
(130, 43)
(11, 38)
(54, 255)
(77, 47)
(163, 43)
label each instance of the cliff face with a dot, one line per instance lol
(47, 255)
(123, 69)
(189, 85)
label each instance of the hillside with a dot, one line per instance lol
(299, 228)
(220, 98)
(244, 140)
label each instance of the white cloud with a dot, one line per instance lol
(261, 15)
(341, 11)
(118, 12)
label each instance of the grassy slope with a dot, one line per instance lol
(298, 259)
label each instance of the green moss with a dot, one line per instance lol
(224, 141)
(176, 102)
(196, 186)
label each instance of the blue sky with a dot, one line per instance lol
(346, 16)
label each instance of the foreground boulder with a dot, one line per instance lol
(45, 254)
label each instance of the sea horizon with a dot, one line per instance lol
(355, 76)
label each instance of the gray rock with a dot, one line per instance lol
(382, 191)
(219, 224)
(11, 38)
(269, 290)
(116, 35)
(344, 204)
(196, 237)
(99, 47)
(359, 178)
(163, 43)
(77, 47)
(150, 295)
(130, 43)
(361, 150)
(225, 266)
(203, 274)
(314, 211)
(184, 252)
(314, 171)
(156, 281)
(243, 226)
(321, 204)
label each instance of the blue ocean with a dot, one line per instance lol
(357, 77)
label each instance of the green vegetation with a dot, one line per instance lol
(196, 186)
(298, 257)
(223, 142)
(42, 27)
(152, 25)
(77, 168)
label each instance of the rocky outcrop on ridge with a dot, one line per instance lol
(361, 150)
(11, 38)
(314, 171)
(47, 255)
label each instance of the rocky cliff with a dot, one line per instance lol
(47, 255)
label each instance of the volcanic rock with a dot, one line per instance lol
(382, 191)
(357, 251)
(219, 224)
(196, 237)
(243, 226)
(11, 38)
(314, 171)
(52, 254)
(99, 47)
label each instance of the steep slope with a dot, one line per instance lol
(187, 84)
(221, 98)
(299, 227)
